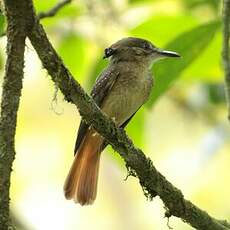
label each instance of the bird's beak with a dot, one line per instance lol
(166, 53)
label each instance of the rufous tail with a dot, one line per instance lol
(81, 182)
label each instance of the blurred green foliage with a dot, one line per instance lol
(189, 45)
(72, 50)
(206, 67)
(163, 28)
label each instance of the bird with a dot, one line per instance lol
(120, 90)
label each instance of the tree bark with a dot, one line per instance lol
(18, 24)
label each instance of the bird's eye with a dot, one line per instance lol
(109, 52)
(147, 46)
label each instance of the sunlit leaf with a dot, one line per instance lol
(162, 29)
(190, 45)
(207, 66)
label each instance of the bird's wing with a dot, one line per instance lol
(102, 86)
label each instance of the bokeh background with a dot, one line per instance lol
(183, 128)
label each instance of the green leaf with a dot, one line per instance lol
(189, 45)
(206, 68)
(161, 29)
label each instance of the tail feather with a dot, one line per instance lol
(87, 185)
(81, 182)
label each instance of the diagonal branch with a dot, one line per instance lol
(53, 11)
(153, 182)
(226, 50)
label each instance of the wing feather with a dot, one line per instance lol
(102, 86)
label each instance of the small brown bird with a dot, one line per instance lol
(120, 90)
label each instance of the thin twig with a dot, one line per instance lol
(53, 11)
(225, 50)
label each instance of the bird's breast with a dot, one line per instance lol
(128, 93)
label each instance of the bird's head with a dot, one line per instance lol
(136, 49)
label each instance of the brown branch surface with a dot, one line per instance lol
(53, 11)
(11, 92)
(226, 51)
(153, 182)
